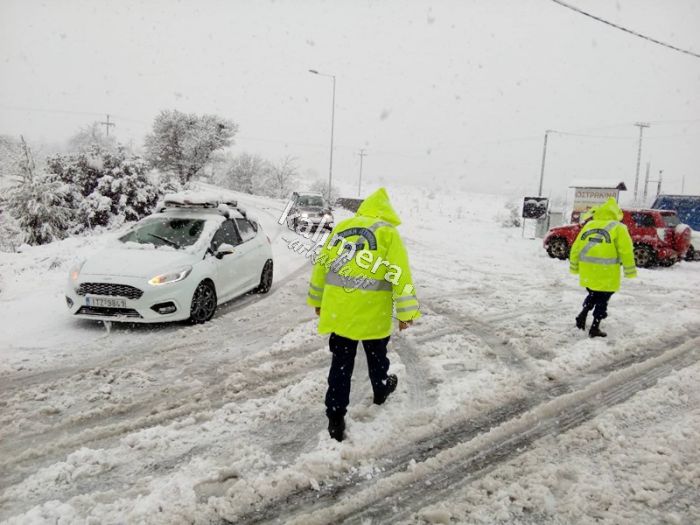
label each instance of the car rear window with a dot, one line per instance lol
(645, 220)
(671, 219)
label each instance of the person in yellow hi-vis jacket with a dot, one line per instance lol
(360, 280)
(600, 248)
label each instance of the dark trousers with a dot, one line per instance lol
(342, 365)
(598, 302)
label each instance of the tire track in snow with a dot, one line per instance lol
(403, 493)
(655, 363)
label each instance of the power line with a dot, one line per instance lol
(630, 31)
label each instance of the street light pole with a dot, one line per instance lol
(330, 168)
(641, 126)
(544, 156)
(362, 155)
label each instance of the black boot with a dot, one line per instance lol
(336, 427)
(391, 382)
(581, 319)
(595, 330)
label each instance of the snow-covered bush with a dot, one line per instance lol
(510, 216)
(245, 172)
(10, 233)
(40, 205)
(105, 188)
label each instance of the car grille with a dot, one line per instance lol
(117, 290)
(100, 311)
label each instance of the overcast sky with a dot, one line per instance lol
(443, 92)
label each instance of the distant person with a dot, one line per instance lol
(359, 279)
(601, 246)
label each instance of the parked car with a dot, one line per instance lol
(196, 253)
(688, 209)
(310, 208)
(658, 237)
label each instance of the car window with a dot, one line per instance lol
(166, 231)
(246, 228)
(310, 200)
(670, 219)
(643, 220)
(226, 234)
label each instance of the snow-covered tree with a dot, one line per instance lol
(244, 172)
(321, 186)
(183, 143)
(91, 138)
(10, 153)
(281, 178)
(39, 205)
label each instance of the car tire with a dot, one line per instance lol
(266, 278)
(691, 254)
(204, 302)
(558, 248)
(644, 256)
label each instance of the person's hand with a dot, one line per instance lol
(318, 310)
(404, 324)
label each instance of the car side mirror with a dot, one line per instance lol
(224, 249)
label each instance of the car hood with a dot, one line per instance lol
(310, 209)
(126, 262)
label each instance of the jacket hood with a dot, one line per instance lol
(377, 205)
(608, 211)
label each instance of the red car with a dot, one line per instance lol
(658, 237)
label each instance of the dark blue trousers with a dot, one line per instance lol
(342, 365)
(598, 302)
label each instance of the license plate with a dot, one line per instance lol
(105, 302)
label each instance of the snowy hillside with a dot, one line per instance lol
(504, 413)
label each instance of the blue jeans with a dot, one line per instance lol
(342, 365)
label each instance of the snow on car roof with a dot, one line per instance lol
(202, 201)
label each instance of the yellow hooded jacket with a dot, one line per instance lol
(600, 247)
(361, 275)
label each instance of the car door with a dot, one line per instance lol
(251, 252)
(231, 281)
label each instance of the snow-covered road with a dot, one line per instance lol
(504, 412)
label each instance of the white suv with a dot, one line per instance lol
(196, 253)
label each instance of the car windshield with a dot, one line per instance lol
(310, 200)
(166, 231)
(671, 219)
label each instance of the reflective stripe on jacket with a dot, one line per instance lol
(362, 276)
(600, 248)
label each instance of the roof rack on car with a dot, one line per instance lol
(190, 201)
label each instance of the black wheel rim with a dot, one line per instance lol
(642, 256)
(204, 303)
(558, 248)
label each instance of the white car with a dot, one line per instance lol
(196, 253)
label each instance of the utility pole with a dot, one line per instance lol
(107, 125)
(683, 185)
(641, 126)
(362, 155)
(544, 156)
(646, 183)
(658, 185)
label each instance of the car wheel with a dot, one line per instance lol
(691, 254)
(203, 303)
(644, 256)
(265, 278)
(558, 248)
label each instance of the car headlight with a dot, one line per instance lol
(170, 277)
(75, 272)
(328, 217)
(304, 215)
